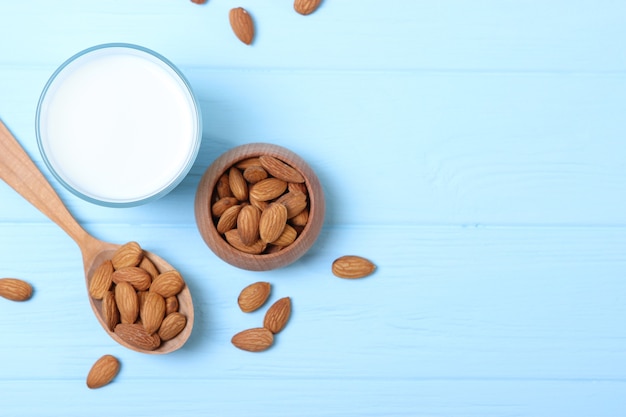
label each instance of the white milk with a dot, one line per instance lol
(118, 126)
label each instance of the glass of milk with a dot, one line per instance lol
(118, 125)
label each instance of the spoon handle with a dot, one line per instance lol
(21, 173)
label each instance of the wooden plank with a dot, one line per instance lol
(434, 148)
(445, 303)
(488, 35)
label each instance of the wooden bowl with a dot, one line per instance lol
(206, 196)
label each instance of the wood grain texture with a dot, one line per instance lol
(473, 150)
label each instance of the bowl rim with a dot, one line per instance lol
(267, 261)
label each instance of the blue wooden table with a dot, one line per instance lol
(474, 150)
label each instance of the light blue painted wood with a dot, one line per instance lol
(473, 150)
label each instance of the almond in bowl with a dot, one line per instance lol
(259, 207)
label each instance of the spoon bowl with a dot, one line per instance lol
(21, 173)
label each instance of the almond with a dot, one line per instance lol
(129, 254)
(172, 325)
(139, 278)
(171, 305)
(147, 265)
(253, 340)
(305, 7)
(287, 237)
(152, 312)
(268, 189)
(127, 302)
(103, 371)
(280, 170)
(223, 187)
(351, 266)
(232, 237)
(135, 335)
(277, 315)
(242, 24)
(228, 220)
(168, 283)
(254, 174)
(15, 289)
(101, 280)
(300, 219)
(272, 222)
(298, 186)
(248, 162)
(220, 206)
(238, 184)
(248, 224)
(110, 313)
(254, 296)
(295, 202)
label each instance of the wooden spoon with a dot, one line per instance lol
(21, 173)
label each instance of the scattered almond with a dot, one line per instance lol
(103, 371)
(351, 266)
(305, 7)
(277, 315)
(254, 296)
(253, 340)
(242, 24)
(15, 289)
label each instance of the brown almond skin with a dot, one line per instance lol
(15, 289)
(254, 174)
(248, 224)
(287, 237)
(352, 267)
(232, 237)
(147, 265)
(272, 222)
(168, 283)
(238, 184)
(220, 206)
(171, 305)
(127, 302)
(306, 7)
(129, 254)
(277, 168)
(228, 220)
(242, 24)
(223, 187)
(110, 313)
(253, 340)
(277, 315)
(137, 336)
(101, 280)
(103, 371)
(139, 278)
(295, 202)
(172, 325)
(267, 189)
(152, 312)
(254, 296)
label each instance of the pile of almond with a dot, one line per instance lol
(260, 205)
(139, 303)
